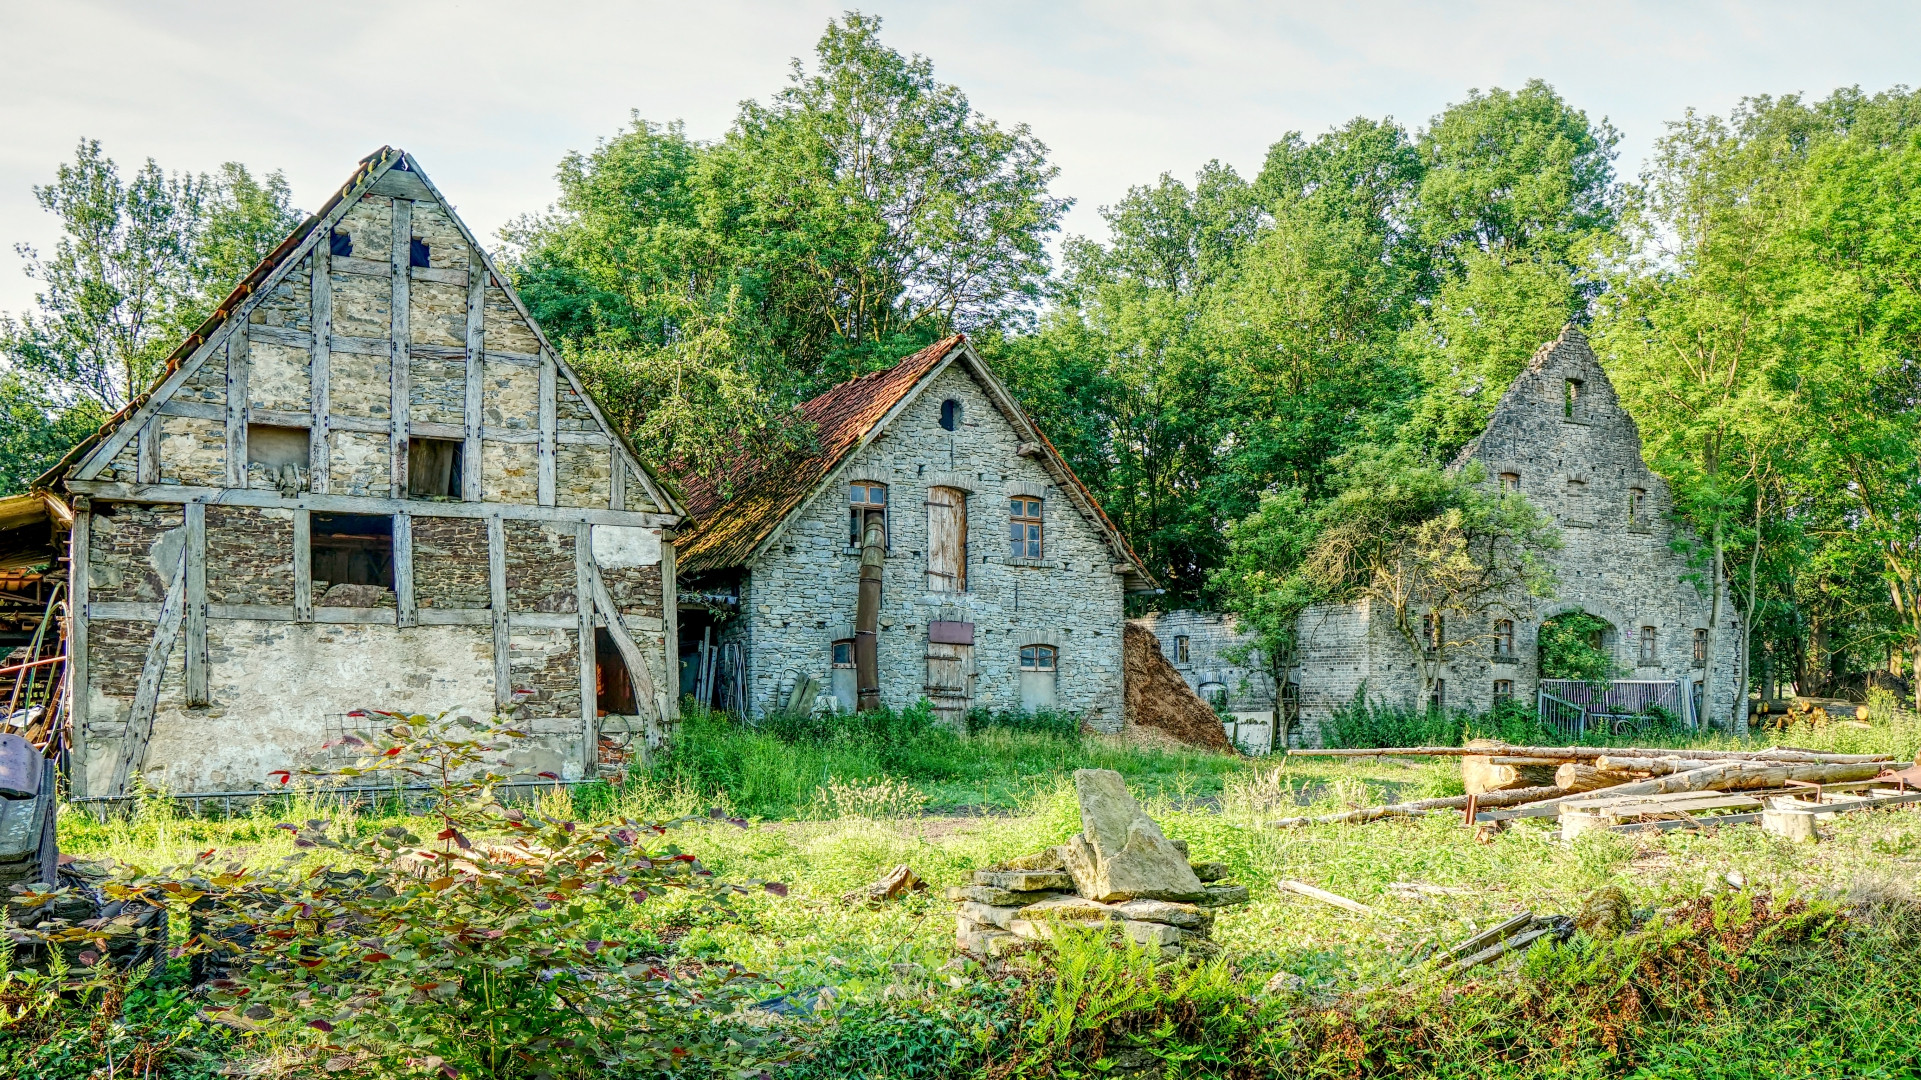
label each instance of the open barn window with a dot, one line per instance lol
(340, 244)
(417, 254)
(433, 469)
(950, 415)
(613, 684)
(353, 558)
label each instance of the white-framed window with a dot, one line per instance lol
(865, 498)
(1040, 673)
(1024, 527)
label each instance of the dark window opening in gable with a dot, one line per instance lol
(950, 414)
(613, 684)
(340, 244)
(351, 549)
(1571, 399)
(1510, 483)
(417, 253)
(433, 469)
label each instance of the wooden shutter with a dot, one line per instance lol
(946, 540)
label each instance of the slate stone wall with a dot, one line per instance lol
(799, 597)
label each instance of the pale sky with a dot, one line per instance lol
(489, 94)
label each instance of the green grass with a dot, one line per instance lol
(1719, 983)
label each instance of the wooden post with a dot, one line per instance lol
(237, 407)
(147, 465)
(548, 423)
(400, 363)
(323, 328)
(589, 656)
(78, 542)
(616, 478)
(405, 613)
(497, 597)
(670, 624)
(196, 604)
(303, 566)
(476, 339)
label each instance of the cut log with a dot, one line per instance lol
(1749, 775)
(1590, 753)
(1652, 766)
(1479, 774)
(1574, 776)
(1513, 797)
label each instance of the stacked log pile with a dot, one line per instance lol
(1119, 870)
(1498, 776)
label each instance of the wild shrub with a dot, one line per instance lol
(1064, 725)
(466, 956)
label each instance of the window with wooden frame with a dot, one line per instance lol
(1647, 645)
(1024, 527)
(1504, 637)
(1700, 648)
(1503, 690)
(1039, 658)
(865, 499)
(1039, 685)
(1433, 630)
(841, 676)
(1510, 483)
(351, 549)
(1180, 648)
(1437, 698)
(1636, 510)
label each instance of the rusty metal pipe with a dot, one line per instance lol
(873, 558)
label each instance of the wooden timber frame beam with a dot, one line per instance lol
(585, 608)
(79, 541)
(196, 604)
(472, 416)
(238, 404)
(400, 362)
(267, 498)
(623, 640)
(133, 747)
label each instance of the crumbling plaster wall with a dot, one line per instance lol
(799, 596)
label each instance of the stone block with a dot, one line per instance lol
(987, 915)
(1068, 909)
(1121, 854)
(1024, 880)
(1159, 935)
(1185, 916)
(1041, 861)
(1223, 896)
(997, 897)
(1209, 871)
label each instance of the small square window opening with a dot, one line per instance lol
(1510, 483)
(433, 469)
(1024, 528)
(340, 244)
(351, 549)
(1503, 690)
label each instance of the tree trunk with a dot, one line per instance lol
(1714, 624)
(1491, 800)
(1749, 775)
(1738, 722)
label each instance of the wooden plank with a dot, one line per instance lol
(400, 362)
(347, 264)
(146, 697)
(1638, 808)
(303, 565)
(630, 653)
(549, 421)
(584, 629)
(428, 429)
(237, 408)
(473, 418)
(369, 424)
(497, 601)
(196, 604)
(319, 402)
(404, 570)
(278, 418)
(280, 335)
(147, 464)
(199, 410)
(670, 628)
(1703, 822)
(361, 346)
(441, 275)
(617, 478)
(582, 438)
(79, 689)
(511, 435)
(176, 494)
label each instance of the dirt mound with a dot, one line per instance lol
(1157, 696)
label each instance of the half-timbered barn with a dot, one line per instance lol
(366, 482)
(997, 581)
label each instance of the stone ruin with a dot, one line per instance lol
(1119, 869)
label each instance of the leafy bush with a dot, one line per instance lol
(1571, 648)
(1064, 725)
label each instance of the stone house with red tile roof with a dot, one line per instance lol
(367, 482)
(1003, 583)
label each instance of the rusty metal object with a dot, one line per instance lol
(873, 559)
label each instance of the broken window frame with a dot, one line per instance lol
(1700, 647)
(1503, 690)
(1510, 483)
(1636, 496)
(865, 504)
(324, 544)
(1026, 526)
(1433, 630)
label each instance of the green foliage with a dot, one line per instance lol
(63, 1024)
(1572, 647)
(36, 430)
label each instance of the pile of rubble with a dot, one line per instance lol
(1119, 869)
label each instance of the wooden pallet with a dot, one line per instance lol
(1703, 809)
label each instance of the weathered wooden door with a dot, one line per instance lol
(946, 540)
(950, 669)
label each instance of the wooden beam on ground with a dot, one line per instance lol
(1302, 888)
(400, 364)
(497, 600)
(196, 604)
(146, 697)
(321, 403)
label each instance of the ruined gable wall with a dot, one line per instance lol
(800, 595)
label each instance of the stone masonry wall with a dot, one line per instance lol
(1580, 470)
(799, 598)
(1210, 637)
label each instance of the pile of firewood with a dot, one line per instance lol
(1497, 775)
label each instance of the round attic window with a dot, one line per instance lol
(950, 414)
